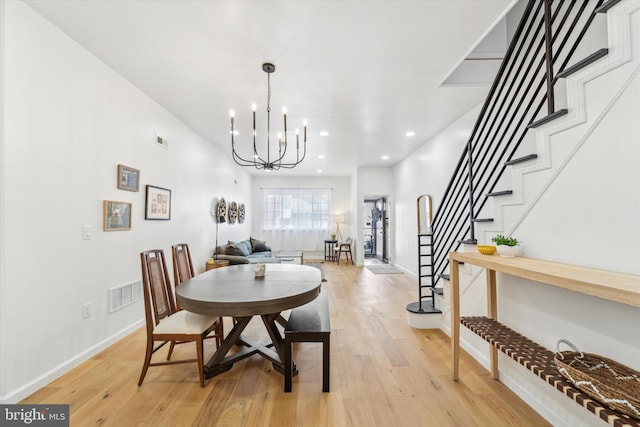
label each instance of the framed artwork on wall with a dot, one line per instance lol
(158, 203)
(128, 178)
(116, 216)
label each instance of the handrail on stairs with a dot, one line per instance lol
(543, 45)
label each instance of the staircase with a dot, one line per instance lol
(507, 141)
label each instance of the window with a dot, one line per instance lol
(297, 209)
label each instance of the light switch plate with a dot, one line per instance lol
(86, 232)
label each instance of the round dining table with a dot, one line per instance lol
(236, 291)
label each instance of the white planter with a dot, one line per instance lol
(509, 251)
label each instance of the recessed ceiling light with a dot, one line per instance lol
(410, 133)
(385, 157)
(321, 156)
(324, 133)
(319, 171)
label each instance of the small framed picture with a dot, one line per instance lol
(116, 216)
(158, 203)
(128, 178)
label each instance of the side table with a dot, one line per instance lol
(329, 250)
(211, 264)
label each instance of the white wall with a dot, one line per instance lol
(307, 240)
(425, 171)
(68, 121)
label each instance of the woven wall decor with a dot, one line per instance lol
(241, 213)
(233, 212)
(222, 210)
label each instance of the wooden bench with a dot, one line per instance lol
(540, 361)
(308, 323)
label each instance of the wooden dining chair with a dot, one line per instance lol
(182, 265)
(165, 322)
(183, 270)
(344, 248)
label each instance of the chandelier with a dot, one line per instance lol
(265, 161)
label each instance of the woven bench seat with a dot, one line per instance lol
(540, 361)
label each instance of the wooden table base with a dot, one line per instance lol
(273, 351)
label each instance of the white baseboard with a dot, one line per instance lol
(424, 320)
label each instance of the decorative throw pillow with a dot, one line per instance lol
(259, 245)
(246, 245)
(238, 248)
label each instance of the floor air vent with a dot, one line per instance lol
(122, 296)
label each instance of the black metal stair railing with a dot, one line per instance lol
(542, 47)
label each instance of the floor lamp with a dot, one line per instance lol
(338, 219)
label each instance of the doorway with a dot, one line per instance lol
(375, 230)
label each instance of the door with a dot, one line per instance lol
(381, 229)
(369, 228)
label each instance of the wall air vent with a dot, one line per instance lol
(122, 296)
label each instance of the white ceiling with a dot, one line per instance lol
(364, 71)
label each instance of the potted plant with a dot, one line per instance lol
(507, 246)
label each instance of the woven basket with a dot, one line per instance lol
(605, 380)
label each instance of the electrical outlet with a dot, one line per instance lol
(86, 310)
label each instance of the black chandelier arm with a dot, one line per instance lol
(262, 165)
(259, 163)
(239, 159)
(298, 159)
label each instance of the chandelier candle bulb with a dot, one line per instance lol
(284, 112)
(253, 107)
(231, 113)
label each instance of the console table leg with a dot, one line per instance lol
(492, 312)
(455, 317)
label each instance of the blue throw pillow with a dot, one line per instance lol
(237, 248)
(246, 246)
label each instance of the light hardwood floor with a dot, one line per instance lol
(383, 373)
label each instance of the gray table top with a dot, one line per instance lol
(235, 291)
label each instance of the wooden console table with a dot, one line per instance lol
(622, 288)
